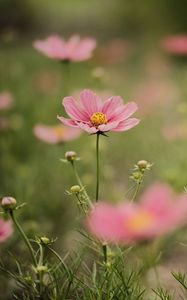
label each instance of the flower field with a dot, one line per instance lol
(93, 139)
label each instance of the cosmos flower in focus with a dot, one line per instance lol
(75, 49)
(159, 212)
(93, 115)
(175, 44)
(5, 230)
(56, 134)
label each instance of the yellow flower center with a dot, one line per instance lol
(58, 131)
(140, 221)
(98, 118)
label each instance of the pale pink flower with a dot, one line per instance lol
(175, 44)
(159, 212)
(93, 115)
(56, 134)
(6, 100)
(175, 132)
(114, 51)
(75, 49)
(5, 230)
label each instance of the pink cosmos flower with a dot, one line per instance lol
(6, 100)
(75, 49)
(5, 230)
(158, 212)
(176, 44)
(93, 115)
(55, 134)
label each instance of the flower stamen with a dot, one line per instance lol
(98, 118)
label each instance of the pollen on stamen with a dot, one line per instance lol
(98, 118)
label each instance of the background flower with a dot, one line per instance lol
(74, 49)
(56, 134)
(5, 230)
(159, 211)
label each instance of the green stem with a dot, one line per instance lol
(136, 190)
(97, 168)
(105, 252)
(26, 240)
(59, 258)
(41, 264)
(80, 183)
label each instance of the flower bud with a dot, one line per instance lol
(143, 165)
(8, 203)
(75, 189)
(40, 269)
(44, 240)
(71, 155)
(136, 176)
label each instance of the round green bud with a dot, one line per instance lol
(75, 189)
(41, 269)
(8, 203)
(44, 240)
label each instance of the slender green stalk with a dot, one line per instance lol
(80, 183)
(105, 252)
(136, 190)
(22, 233)
(97, 168)
(59, 258)
(41, 264)
(104, 246)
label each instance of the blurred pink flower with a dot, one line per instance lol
(56, 134)
(6, 100)
(154, 94)
(175, 132)
(5, 230)
(114, 51)
(175, 44)
(158, 212)
(75, 49)
(93, 115)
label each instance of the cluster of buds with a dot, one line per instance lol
(70, 156)
(139, 169)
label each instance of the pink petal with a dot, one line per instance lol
(68, 122)
(5, 230)
(124, 113)
(108, 126)
(157, 198)
(87, 128)
(111, 105)
(106, 223)
(53, 47)
(90, 102)
(84, 49)
(127, 124)
(73, 110)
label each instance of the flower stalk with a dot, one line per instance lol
(22, 233)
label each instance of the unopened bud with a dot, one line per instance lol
(136, 176)
(71, 155)
(8, 203)
(75, 189)
(41, 269)
(44, 240)
(143, 165)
